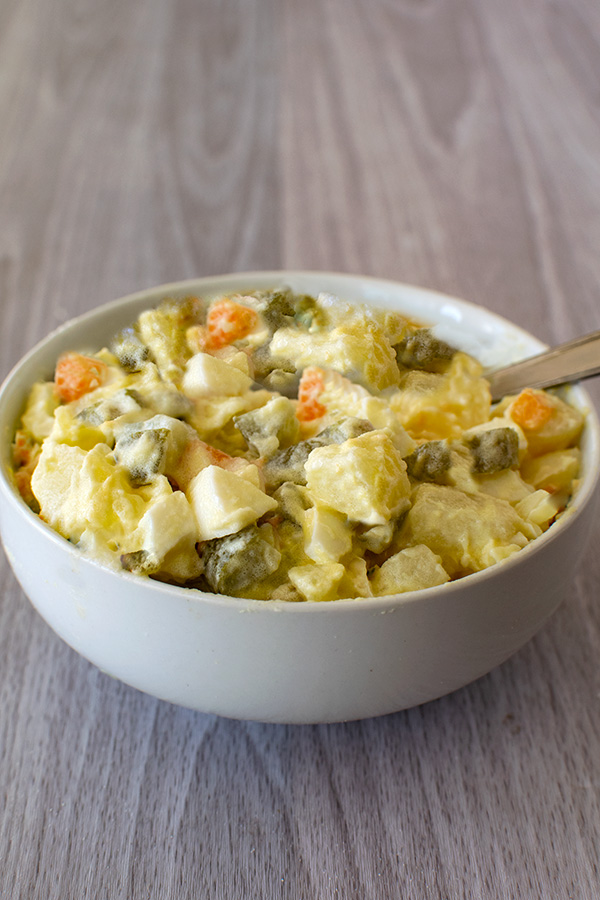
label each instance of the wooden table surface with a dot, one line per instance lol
(451, 144)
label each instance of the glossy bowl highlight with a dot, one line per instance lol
(294, 662)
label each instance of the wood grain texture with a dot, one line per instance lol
(448, 143)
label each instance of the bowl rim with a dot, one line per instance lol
(584, 494)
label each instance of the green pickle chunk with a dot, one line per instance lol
(234, 562)
(494, 450)
(430, 461)
(423, 350)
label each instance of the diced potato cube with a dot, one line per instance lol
(355, 582)
(540, 507)
(225, 503)
(553, 471)
(70, 429)
(181, 564)
(318, 582)
(38, 418)
(411, 569)
(364, 478)
(432, 406)
(357, 348)
(506, 485)
(465, 530)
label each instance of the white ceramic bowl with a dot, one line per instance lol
(296, 662)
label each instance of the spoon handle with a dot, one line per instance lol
(579, 358)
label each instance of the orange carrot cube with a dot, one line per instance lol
(531, 410)
(227, 322)
(76, 375)
(309, 390)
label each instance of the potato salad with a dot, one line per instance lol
(278, 446)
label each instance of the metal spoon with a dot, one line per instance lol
(579, 358)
